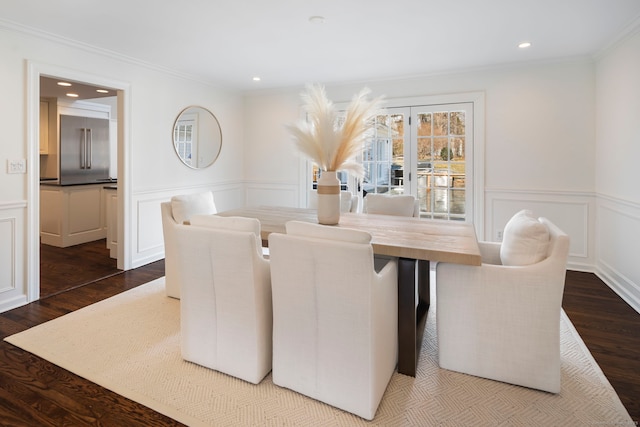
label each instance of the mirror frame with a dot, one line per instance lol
(216, 131)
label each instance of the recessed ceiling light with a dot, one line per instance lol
(524, 45)
(256, 79)
(66, 84)
(72, 95)
(102, 91)
(316, 19)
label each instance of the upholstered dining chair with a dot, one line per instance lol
(353, 206)
(384, 204)
(225, 304)
(178, 210)
(335, 318)
(501, 320)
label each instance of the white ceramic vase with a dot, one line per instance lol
(328, 198)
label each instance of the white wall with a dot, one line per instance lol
(539, 142)
(618, 168)
(152, 170)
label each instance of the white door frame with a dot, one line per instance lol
(34, 71)
(477, 99)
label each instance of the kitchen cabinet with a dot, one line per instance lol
(70, 215)
(44, 127)
(111, 206)
(49, 138)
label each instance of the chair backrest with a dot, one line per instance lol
(324, 269)
(346, 201)
(334, 318)
(172, 285)
(355, 200)
(186, 205)
(559, 241)
(225, 295)
(383, 204)
(176, 211)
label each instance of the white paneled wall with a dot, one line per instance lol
(573, 212)
(13, 289)
(616, 166)
(618, 237)
(272, 194)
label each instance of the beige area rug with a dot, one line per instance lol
(130, 344)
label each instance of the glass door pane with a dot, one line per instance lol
(441, 135)
(384, 154)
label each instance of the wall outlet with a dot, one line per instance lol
(17, 166)
(499, 235)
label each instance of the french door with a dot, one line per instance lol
(426, 151)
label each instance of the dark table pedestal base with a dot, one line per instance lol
(411, 317)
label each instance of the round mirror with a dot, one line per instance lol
(197, 137)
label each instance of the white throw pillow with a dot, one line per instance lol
(525, 240)
(185, 206)
(299, 228)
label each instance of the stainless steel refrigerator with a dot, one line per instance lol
(84, 150)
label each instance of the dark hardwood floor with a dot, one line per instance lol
(34, 392)
(611, 330)
(62, 269)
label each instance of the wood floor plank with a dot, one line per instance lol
(610, 329)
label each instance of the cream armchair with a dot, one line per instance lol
(335, 334)
(502, 322)
(177, 211)
(384, 204)
(225, 304)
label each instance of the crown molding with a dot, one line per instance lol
(72, 43)
(625, 34)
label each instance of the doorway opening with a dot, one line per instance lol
(74, 247)
(39, 76)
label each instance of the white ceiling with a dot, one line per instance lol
(229, 42)
(49, 88)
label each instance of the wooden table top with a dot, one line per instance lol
(423, 239)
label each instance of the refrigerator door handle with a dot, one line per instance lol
(89, 149)
(83, 148)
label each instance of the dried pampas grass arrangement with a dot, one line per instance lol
(323, 140)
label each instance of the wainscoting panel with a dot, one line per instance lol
(574, 213)
(13, 289)
(618, 237)
(7, 254)
(271, 194)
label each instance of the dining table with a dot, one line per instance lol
(416, 242)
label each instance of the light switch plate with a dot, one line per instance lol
(17, 166)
